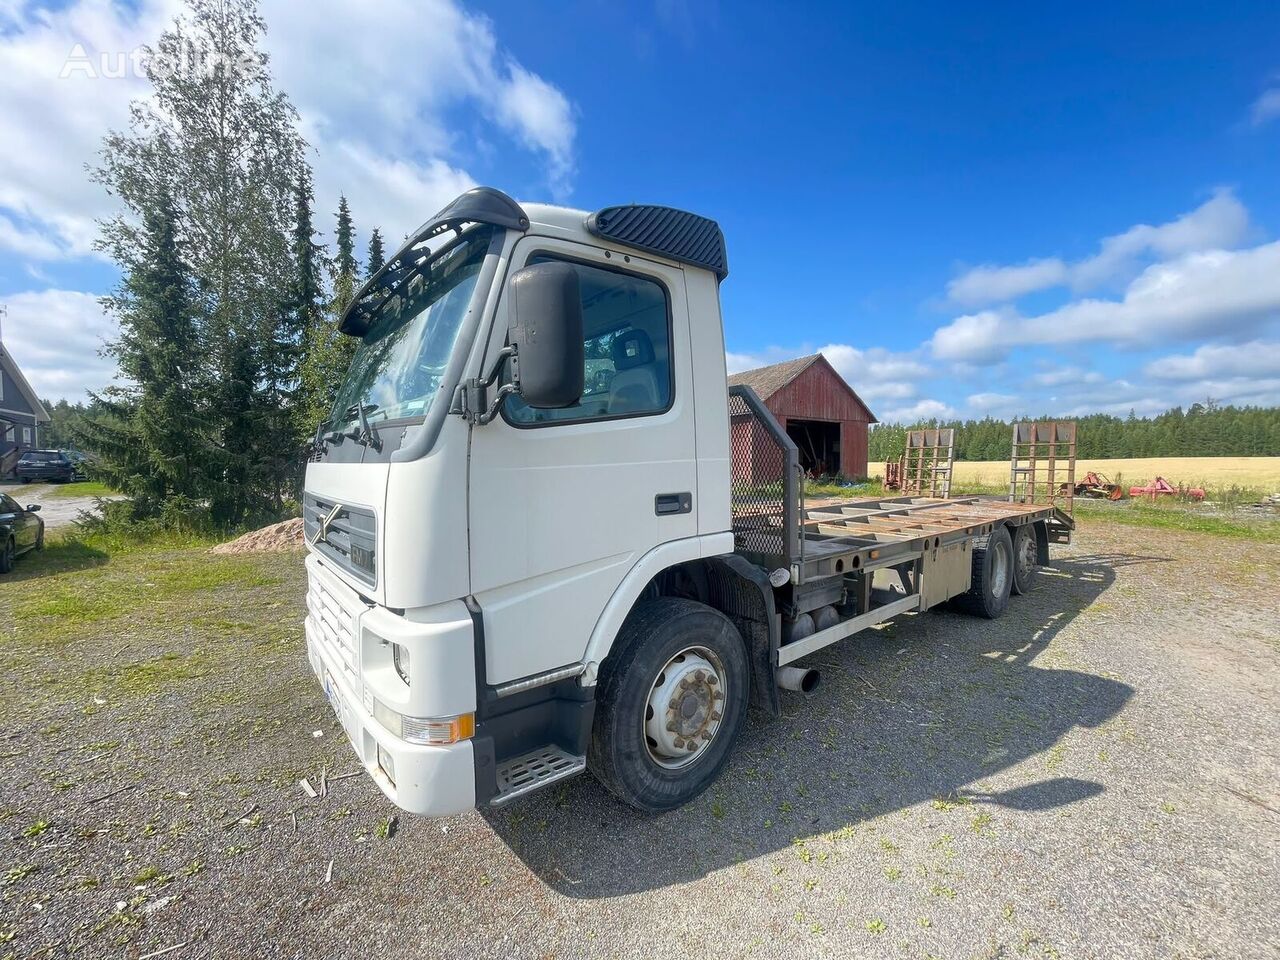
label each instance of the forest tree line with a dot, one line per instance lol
(1202, 430)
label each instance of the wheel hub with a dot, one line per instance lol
(685, 707)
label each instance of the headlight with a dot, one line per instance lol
(400, 657)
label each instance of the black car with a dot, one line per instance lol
(20, 530)
(48, 465)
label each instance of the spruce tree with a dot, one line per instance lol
(376, 256)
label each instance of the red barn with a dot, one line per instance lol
(819, 411)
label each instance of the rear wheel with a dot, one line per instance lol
(671, 700)
(988, 594)
(7, 555)
(1025, 559)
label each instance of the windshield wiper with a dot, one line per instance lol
(365, 434)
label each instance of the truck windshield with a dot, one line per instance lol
(400, 363)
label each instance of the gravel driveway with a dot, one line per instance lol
(1097, 774)
(57, 511)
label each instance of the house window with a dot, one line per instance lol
(26, 436)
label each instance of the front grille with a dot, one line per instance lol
(334, 622)
(351, 536)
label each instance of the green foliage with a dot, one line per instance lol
(1203, 430)
(377, 257)
(329, 352)
(207, 175)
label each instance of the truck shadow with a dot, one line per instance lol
(930, 708)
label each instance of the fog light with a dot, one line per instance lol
(386, 764)
(400, 657)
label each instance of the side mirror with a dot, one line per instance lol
(33, 508)
(546, 330)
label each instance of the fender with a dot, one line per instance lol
(624, 597)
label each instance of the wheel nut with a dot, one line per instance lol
(671, 726)
(691, 746)
(712, 680)
(699, 676)
(679, 744)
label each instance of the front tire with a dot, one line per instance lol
(671, 701)
(992, 580)
(7, 553)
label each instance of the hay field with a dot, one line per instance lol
(1213, 473)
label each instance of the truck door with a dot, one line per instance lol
(564, 502)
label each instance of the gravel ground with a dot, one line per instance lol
(56, 511)
(1095, 775)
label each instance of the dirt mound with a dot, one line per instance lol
(276, 538)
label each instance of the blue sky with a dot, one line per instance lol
(1014, 212)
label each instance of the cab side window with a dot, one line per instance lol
(627, 370)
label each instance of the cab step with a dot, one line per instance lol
(533, 771)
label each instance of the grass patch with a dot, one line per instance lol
(81, 488)
(1174, 516)
(147, 677)
(70, 606)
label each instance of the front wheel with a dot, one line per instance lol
(7, 553)
(671, 700)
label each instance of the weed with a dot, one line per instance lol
(37, 828)
(14, 874)
(876, 925)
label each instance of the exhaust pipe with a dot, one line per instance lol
(800, 679)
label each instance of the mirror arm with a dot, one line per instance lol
(475, 392)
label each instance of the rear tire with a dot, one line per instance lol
(988, 594)
(657, 689)
(1026, 566)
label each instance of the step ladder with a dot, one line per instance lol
(1042, 464)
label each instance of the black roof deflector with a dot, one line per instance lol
(665, 231)
(477, 205)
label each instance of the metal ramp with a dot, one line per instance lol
(927, 461)
(1042, 469)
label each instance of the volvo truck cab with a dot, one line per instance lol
(533, 427)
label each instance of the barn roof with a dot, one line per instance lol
(766, 381)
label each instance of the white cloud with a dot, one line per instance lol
(55, 336)
(1060, 376)
(28, 244)
(1197, 295)
(1266, 107)
(1256, 359)
(50, 127)
(1221, 222)
(380, 101)
(977, 338)
(927, 409)
(991, 403)
(387, 99)
(995, 284)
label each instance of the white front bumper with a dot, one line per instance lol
(435, 781)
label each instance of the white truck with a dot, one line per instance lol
(544, 537)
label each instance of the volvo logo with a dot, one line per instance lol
(322, 531)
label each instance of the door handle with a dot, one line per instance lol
(672, 503)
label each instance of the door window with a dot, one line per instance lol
(626, 322)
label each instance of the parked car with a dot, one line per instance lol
(49, 465)
(20, 530)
